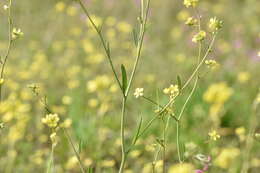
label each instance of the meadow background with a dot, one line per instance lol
(62, 54)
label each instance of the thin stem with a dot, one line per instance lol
(48, 110)
(164, 142)
(153, 102)
(51, 161)
(10, 41)
(193, 74)
(179, 120)
(188, 98)
(191, 93)
(178, 142)
(147, 126)
(250, 140)
(201, 62)
(142, 133)
(75, 151)
(155, 158)
(104, 44)
(140, 44)
(123, 153)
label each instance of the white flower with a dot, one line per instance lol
(5, 7)
(139, 92)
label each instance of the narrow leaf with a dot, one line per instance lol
(124, 78)
(138, 130)
(135, 37)
(90, 170)
(80, 146)
(179, 82)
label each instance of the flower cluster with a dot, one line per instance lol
(16, 33)
(190, 3)
(214, 135)
(226, 157)
(51, 120)
(139, 92)
(212, 64)
(191, 21)
(215, 24)
(200, 36)
(173, 91)
(54, 139)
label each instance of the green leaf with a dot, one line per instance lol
(179, 81)
(124, 78)
(135, 37)
(138, 130)
(90, 170)
(80, 146)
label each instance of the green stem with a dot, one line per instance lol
(193, 74)
(140, 44)
(178, 141)
(104, 44)
(191, 93)
(153, 102)
(250, 138)
(123, 152)
(8, 48)
(75, 151)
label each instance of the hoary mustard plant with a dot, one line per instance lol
(174, 91)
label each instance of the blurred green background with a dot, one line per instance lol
(62, 54)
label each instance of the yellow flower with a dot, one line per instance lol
(181, 168)
(124, 27)
(108, 163)
(240, 132)
(66, 123)
(218, 93)
(2, 81)
(173, 91)
(60, 6)
(214, 135)
(243, 77)
(110, 21)
(139, 92)
(17, 33)
(212, 64)
(190, 3)
(191, 21)
(53, 138)
(88, 162)
(226, 157)
(215, 24)
(199, 36)
(71, 11)
(71, 163)
(51, 120)
(66, 100)
(183, 15)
